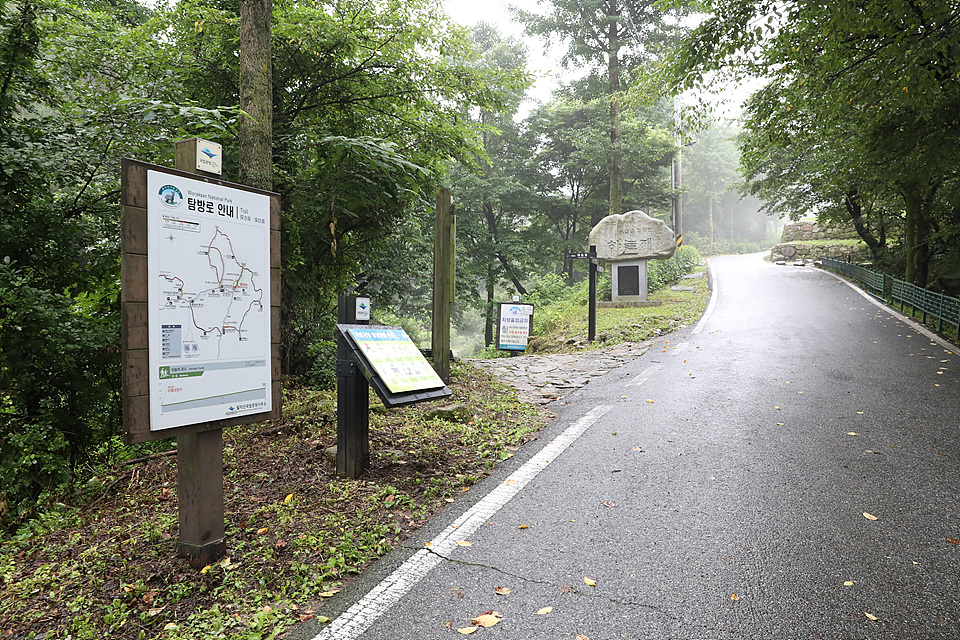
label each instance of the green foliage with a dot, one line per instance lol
(663, 273)
(858, 118)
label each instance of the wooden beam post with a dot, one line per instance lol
(442, 284)
(353, 401)
(199, 461)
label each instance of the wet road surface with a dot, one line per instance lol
(788, 468)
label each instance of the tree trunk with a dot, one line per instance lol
(851, 201)
(488, 320)
(614, 154)
(710, 201)
(917, 234)
(256, 94)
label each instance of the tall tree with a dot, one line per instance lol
(256, 94)
(609, 38)
(489, 196)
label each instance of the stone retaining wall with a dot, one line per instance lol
(791, 251)
(799, 242)
(800, 231)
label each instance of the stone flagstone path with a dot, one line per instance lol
(544, 379)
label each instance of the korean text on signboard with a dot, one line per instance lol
(395, 359)
(514, 326)
(209, 301)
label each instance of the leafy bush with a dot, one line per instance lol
(59, 386)
(663, 273)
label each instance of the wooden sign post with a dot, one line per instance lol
(442, 284)
(200, 284)
(353, 400)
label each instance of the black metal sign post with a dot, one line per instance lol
(353, 400)
(592, 307)
(592, 303)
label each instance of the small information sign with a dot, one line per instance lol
(395, 359)
(363, 308)
(209, 156)
(514, 326)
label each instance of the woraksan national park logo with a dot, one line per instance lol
(170, 196)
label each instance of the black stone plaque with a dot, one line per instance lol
(628, 280)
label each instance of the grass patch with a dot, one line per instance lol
(564, 327)
(295, 531)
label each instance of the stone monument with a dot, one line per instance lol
(626, 242)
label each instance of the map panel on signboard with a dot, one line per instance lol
(209, 301)
(395, 359)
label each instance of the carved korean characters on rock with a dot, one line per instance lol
(627, 241)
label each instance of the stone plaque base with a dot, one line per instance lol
(629, 280)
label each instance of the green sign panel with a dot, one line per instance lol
(395, 358)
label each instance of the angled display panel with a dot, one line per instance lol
(393, 364)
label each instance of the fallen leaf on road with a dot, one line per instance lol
(544, 611)
(524, 526)
(869, 516)
(848, 583)
(777, 408)
(330, 594)
(448, 500)
(580, 636)
(870, 616)
(608, 504)
(734, 597)
(464, 543)
(262, 530)
(510, 481)
(650, 401)
(852, 433)
(590, 582)
(487, 619)
(502, 591)
(288, 498)
(954, 541)
(323, 619)
(467, 630)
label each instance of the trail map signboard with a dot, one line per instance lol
(209, 301)
(514, 326)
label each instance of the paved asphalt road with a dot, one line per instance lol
(717, 487)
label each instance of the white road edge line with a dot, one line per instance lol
(710, 306)
(899, 316)
(641, 379)
(358, 618)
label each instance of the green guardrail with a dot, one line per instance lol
(943, 308)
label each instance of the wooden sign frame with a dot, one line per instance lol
(135, 335)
